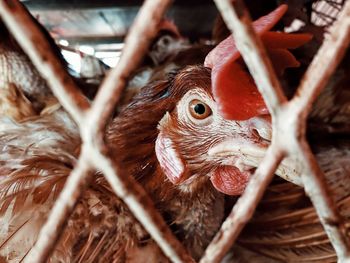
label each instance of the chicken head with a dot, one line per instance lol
(194, 127)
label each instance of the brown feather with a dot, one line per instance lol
(290, 230)
(38, 155)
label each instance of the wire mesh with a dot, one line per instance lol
(289, 136)
(92, 121)
(325, 12)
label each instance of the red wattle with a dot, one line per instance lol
(229, 180)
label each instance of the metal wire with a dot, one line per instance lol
(92, 120)
(289, 124)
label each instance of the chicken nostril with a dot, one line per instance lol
(263, 134)
(255, 133)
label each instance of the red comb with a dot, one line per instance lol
(233, 87)
(227, 50)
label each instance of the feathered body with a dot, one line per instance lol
(286, 227)
(38, 155)
(18, 73)
(21, 87)
(134, 133)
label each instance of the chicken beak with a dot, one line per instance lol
(251, 155)
(247, 153)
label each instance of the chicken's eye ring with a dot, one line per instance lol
(199, 110)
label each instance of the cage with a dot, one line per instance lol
(57, 181)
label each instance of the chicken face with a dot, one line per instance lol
(191, 140)
(189, 133)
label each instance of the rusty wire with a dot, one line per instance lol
(289, 124)
(92, 121)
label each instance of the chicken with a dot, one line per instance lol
(165, 139)
(37, 156)
(14, 103)
(23, 92)
(170, 51)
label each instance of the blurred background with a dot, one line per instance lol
(97, 27)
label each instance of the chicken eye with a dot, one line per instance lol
(199, 110)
